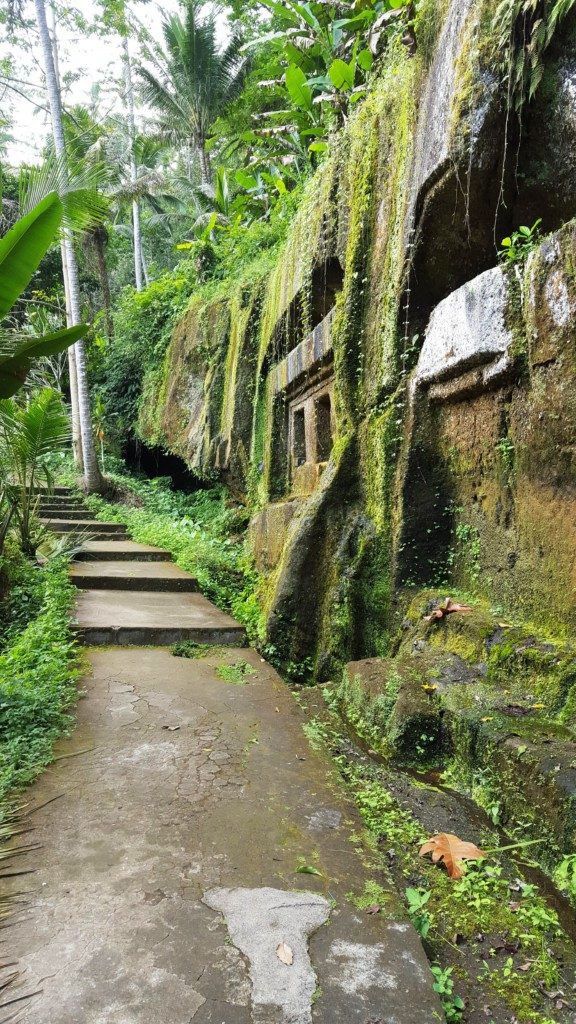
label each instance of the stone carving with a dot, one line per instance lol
(467, 332)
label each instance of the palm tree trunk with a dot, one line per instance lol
(137, 237)
(92, 477)
(72, 374)
(136, 231)
(144, 267)
(205, 168)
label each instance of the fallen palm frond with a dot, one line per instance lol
(11, 978)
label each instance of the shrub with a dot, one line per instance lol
(143, 323)
(38, 672)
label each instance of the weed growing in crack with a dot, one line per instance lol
(237, 673)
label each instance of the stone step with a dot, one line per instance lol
(157, 577)
(53, 501)
(70, 512)
(86, 535)
(89, 525)
(113, 549)
(128, 618)
(64, 491)
(43, 493)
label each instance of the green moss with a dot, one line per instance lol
(237, 673)
(428, 23)
(373, 895)
(479, 904)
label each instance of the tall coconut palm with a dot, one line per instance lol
(196, 81)
(132, 171)
(136, 227)
(92, 477)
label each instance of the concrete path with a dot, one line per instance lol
(170, 832)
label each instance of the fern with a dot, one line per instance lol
(523, 31)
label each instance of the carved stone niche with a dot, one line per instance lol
(305, 381)
(310, 435)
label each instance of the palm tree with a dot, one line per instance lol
(196, 80)
(29, 434)
(92, 476)
(136, 227)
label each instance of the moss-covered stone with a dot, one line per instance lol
(471, 485)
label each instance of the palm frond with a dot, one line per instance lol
(78, 187)
(31, 433)
(197, 80)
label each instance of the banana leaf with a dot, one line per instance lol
(22, 248)
(16, 359)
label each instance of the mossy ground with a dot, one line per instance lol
(493, 929)
(488, 703)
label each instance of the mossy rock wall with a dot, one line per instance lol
(401, 213)
(490, 490)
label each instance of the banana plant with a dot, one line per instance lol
(326, 58)
(21, 250)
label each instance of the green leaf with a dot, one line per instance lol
(23, 247)
(341, 74)
(282, 12)
(245, 180)
(506, 243)
(294, 55)
(298, 88)
(307, 869)
(365, 60)
(305, 12)
(15, 365)
(318, 147)
(525, 231)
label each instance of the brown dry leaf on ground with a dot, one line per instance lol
(452, 851)
(285, 954)
(448, 608)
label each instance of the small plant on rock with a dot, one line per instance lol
(417, 900)
(452, 1005)
(517, 246)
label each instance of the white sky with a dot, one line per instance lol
(90, 58)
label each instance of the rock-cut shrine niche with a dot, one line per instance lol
(310, 435)
(303, 385)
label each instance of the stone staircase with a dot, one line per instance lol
(129, 593)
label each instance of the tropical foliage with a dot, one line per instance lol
(30, 433)
(195, 81)
(523, 31)
(21, 250)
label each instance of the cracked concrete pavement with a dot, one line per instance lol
(183, 792)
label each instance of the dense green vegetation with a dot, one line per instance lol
(38, 667)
